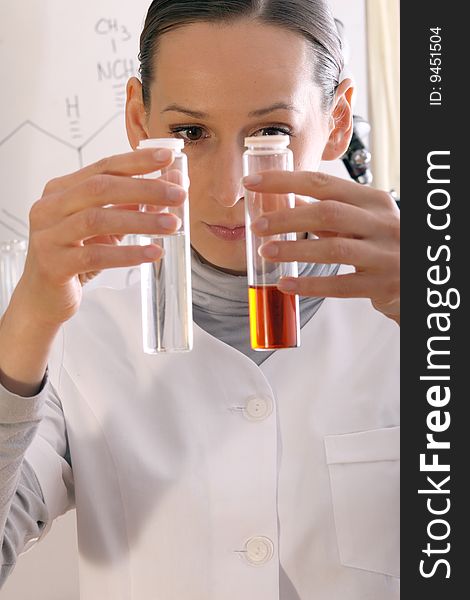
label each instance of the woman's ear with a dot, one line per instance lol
(136, 117)
(341, 122)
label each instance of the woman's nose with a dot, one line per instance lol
(227, 188)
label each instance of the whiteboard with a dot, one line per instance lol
(64, 68)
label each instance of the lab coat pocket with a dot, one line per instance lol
(364, 472)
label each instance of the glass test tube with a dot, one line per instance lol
(167, 319)
(274, 316)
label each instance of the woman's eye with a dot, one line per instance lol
(194, 133)
(190, 134)
(272, 131)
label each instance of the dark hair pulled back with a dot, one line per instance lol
(310, 18)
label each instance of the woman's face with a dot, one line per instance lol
(216, 84)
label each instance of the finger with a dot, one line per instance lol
(101, 190)
(359, 253)
(130, 207)
(320, 216)
(352, 285)
(324, 234)
(88, 259)
(140, 162)
(112, 240)
(94, 222)
(317, 185)
(136, 208)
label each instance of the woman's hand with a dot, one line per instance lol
(74, 233)
(355, 225)
(76, 226)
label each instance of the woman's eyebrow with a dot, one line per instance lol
(260, 112)
(192, 113)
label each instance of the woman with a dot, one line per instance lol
(220, 473)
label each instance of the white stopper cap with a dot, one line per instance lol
(176, 144)
(281, 141)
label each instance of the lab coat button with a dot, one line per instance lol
(259, 550)
(257, 409)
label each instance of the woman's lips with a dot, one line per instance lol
(229, 234)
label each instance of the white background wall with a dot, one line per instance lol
(48, 61)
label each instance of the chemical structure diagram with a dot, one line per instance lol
(111, 74)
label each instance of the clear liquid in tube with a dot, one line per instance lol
(166, 303)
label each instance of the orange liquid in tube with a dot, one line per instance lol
(273, 322)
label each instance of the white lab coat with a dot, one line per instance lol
(197, 475)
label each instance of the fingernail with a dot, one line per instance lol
(252, 179)
(287, 285)
(269, 251)
(260, 224)
(176, 194)
(170, 222)
(163, 155)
